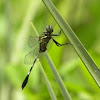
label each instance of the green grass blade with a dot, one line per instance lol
(58, 78)
(79, 48)
(53, 97)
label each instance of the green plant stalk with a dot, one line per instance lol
(58, 78)
(53, 97)
(79, 48)
(55, 73)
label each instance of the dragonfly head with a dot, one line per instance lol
(49, 29)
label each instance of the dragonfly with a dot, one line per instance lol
(43, 41)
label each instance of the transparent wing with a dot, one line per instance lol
(32, 41)
(29, 57)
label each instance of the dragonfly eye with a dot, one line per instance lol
(49, 29)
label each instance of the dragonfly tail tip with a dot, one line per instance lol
(25, 82)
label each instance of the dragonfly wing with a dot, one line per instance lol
(29, 57)
(32, 41)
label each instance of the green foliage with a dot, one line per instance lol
(15, 16)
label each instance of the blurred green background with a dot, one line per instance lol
(15, 16)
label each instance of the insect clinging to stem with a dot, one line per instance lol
(43, 41)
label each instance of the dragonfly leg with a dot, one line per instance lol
(58, 44)
(57, 34)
